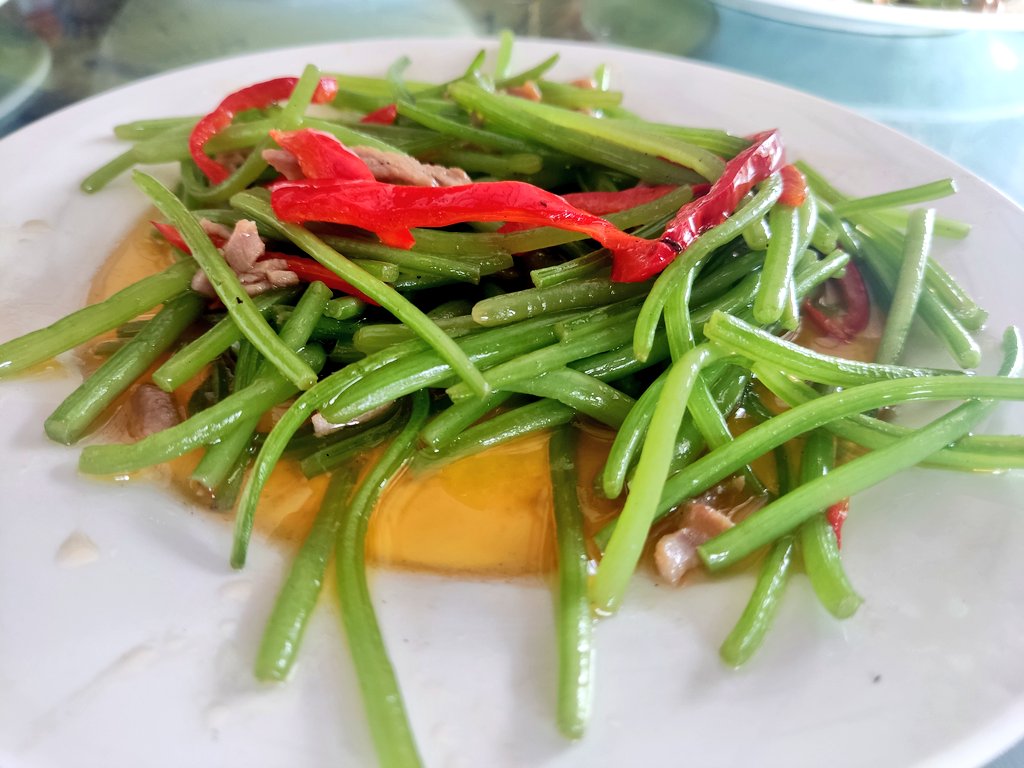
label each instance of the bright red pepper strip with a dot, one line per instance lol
(858, 303)
(603, 203)
(756, 163)
(830, 326)
(794, 186)
(306, 270)
(836, 516)
(172, 236)
(256, 96)
(391, 210)
(386, 115)
(857, 308)
(309, 271)
(321, 156)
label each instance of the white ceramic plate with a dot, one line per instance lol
(870, 19)
(142, 657)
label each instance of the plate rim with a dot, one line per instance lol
(878, 19)
(313, 50)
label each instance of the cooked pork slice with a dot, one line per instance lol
(215, 230)
(281, 278)
(201, 284)
(393, 168)
(231, 160)
(676, 553)
(703, 518)
(244, 248)
(388, 167)
(284, 162)
(244, 252)
(151, 410)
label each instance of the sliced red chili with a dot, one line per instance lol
(309, 271)
(858, 302)
(603, 203)
(391, 210)
(836, 516)
(386, 115)
(830, 326)
(857, 308)
(258, 96)
(173, 236)
(794, 186)
(321, 156)
(756, 163)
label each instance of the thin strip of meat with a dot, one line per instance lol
(676, 553)
(151, 410)
(393, 168)
(243, 251)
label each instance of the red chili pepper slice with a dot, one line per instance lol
(857, 310)
(603, 203)
(307, 270)
(756, 163)
(321, 156)
(255, 96)
(794, 186)
(836, 516)
(386, 115)
(858, 303)
(173, 236)
(830, 326)
(391, 210)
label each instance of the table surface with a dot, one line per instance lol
(961, 94)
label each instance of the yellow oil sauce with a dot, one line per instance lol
(137, 256)
(487, 515)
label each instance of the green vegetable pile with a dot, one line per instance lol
(475, 337)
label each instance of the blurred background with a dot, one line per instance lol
(953, 79)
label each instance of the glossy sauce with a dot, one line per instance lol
(486, 515)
